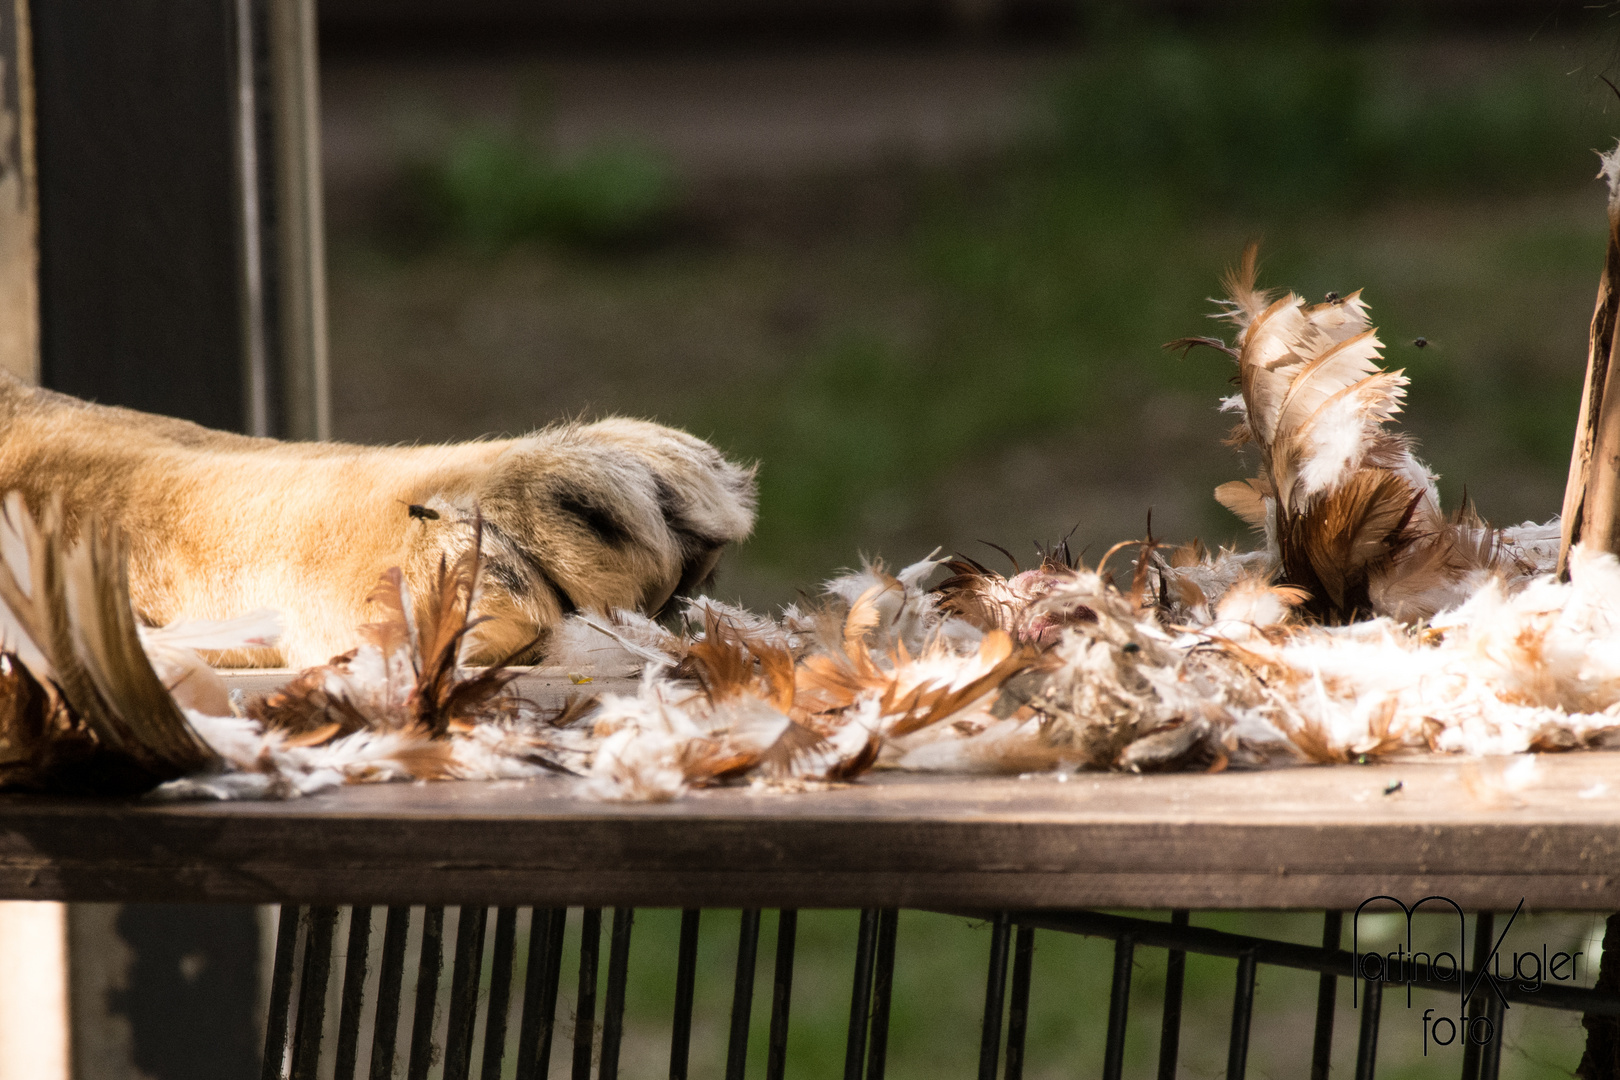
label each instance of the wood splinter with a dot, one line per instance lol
(1591, 513)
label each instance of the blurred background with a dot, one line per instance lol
(917, 258)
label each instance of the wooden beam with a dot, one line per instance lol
(179, 273)
(1323, 837)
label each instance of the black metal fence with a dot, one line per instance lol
(306, 947)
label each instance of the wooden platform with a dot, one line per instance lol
(1319, 837)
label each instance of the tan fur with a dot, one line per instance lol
(620, 513)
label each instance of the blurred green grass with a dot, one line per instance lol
(1051, 281)
(987, 366)
(490, 190)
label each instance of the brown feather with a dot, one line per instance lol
(76, 613)
(1246, 499)
(851, 767)
(1331, 550)
(304, 705)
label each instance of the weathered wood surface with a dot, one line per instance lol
(1591, 512)
(1307, 837)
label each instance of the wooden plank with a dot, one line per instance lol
(1316, 837)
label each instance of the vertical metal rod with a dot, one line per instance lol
(281, 977)
(995, 987)
(427, 994)
(540, 981)
(312, 986)
(1175, 978)
(358, 949)
(500, 993)
(255, 347)
(787, 932)
(1018, 1007)
(1490, 1055)
(742, 994)
(680, 1042)
(1237, 1050)
(1327, 994)
(613, 1006)
(1484, 934)
(860, 995)
(296, 212)
(390, 980)
(1372, 1001)
(458, 1037)
(877, 1052)
(1119, 1006)
(590, 951)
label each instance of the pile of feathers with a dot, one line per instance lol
(1371, 623)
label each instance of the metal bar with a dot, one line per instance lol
(458, 1037)
(1018, 1007)
(680, 1041)
(590, 952)
(540, 982)
(255, 343)
(860, 995)
(995, 987)
(281, 976)
(390, 980)
(1490, 1056)
(427, 994)
(1119, 1005)
(1484, 939)
(1175, 978)
(1327, 994)
(613, 1007)
(1287, 954)
(500, 993)
(295, 204)
(877, 1049)
(1237, 1050)
(306, 1055)
(357, 949)
(787, 932)
(1372, 1001)
(742, 994)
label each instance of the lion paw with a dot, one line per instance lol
(616, 514)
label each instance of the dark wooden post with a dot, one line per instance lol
(179, 236)
(1592, 497)
(179, 272)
